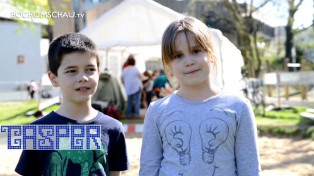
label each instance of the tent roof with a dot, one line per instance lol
(131, 23)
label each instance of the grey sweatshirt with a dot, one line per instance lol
(213, 137)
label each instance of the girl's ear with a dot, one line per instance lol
(53, 79)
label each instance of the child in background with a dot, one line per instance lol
(198, 129)
(74, 67)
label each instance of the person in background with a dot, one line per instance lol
(32, 88)
(159, 83)
(148, 87)
(132, 80)
(198, 129)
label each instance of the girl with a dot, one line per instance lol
(198, 129)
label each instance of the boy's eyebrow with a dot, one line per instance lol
(90, 65)
(69, 67)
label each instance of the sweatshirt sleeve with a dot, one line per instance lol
(246, 148)
(151, 153)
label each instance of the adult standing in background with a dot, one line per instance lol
(160, 83)
(32, 88)
(148, 87)
(131, 78)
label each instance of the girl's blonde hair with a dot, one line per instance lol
(194, 30)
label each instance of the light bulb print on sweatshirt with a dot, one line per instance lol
(213, 132)
(178, 135)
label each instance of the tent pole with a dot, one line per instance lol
(106, 60)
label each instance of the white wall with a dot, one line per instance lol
(12, 44)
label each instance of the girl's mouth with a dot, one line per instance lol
(193, 71)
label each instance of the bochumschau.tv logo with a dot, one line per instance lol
(32, 15)
(51, 137)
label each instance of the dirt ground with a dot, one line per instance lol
(279, 156)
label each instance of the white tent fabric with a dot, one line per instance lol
(134, 26)
(131, 23)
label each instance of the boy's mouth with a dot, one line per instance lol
(82, 88)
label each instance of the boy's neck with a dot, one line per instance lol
(79, 112)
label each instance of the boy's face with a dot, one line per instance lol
(77, 78)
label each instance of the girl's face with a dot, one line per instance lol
(191, 65)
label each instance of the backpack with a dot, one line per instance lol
(112, 111)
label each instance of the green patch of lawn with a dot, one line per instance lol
(131, 121)
(51, 108)
(14, 113)
(12, 109)
(20, 120)
(285, 122)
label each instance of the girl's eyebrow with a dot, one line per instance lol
(90, 65)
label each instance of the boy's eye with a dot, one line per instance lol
(91, 69)
(70, 71)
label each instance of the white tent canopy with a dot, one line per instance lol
(136, 26)
(131, 23)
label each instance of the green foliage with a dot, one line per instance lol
(285, 122)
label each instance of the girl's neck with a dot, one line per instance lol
(79, 112)
(199, 93)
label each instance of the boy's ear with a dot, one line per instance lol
(53, 79)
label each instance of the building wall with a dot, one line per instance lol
(100, 9)
(26, 43)
(63, 25)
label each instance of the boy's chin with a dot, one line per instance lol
(82, 100)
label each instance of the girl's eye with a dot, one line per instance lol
(196, 51)
(178, 56)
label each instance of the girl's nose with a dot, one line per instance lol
(188, 61)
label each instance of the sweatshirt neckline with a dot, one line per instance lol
(177, 96)
(75, 121)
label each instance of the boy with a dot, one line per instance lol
(74, 67)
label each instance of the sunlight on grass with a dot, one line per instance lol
(283, 122)
(11, 109)
(20, 120)
(51, 108)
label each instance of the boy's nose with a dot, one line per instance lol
(82, 77)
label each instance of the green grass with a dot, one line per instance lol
(51, 108)
(12, 112)
(286, 122)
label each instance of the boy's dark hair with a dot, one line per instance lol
(67, 44)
